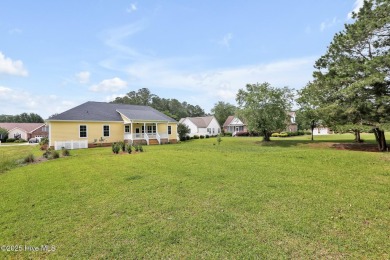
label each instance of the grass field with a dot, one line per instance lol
(241, 199)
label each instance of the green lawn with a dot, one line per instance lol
(240, 199)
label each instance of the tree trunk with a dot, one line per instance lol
(381, 140)
(312, 125)
(266, 136)
(357, 136)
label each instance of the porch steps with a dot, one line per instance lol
(153, 141)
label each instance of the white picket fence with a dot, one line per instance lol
(71, 144)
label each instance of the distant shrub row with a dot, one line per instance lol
(186, 138)
(13, 140)
(287, 134)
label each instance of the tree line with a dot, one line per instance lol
(171, 107)
(21, 118)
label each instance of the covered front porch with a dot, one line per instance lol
(147, 132)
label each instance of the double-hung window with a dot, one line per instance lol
(106, 130)
(169, 129)
(83, 131)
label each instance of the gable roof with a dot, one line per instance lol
(228, 121)
(102, 111)
(201, 122)
(27, 127)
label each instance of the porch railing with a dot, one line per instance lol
(146, 138)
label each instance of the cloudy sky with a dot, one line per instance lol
(58, 54)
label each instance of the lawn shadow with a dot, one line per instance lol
(368, 146)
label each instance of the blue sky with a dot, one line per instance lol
(55, 55)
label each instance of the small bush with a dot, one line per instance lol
(140, 148)
(128, 148)
(283, 134)
(10, 140)
(275, 135)
(115, 148)
(65, 152)
(201, 137)
(20, 141)
(207, 136)
(29, 158)
(188, 137)
(227, 134)
(243, 133)
(54, 155)
(219, 139)
(44, 141)
(196, 136)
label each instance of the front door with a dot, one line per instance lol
(137, 135)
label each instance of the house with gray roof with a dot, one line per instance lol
(97, 123)
(206, 125)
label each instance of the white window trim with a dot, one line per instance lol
(86, 131)
(127, 127)
(109, 131)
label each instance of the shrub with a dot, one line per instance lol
(196, 136)
(20, 141)
(201, 136)
(55, 155)
(10, 140)
(115, 148)
(136, 148)
(242, 133)
(140, 148)
(207, 136)
(29, 158)
(219, 139)
(128, 148)
(188, 137)
(275, 135)
(65, 152)
(44, 141)
(227, 134)
(283, 134)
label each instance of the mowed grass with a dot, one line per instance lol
(240, 199)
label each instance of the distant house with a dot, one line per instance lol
(207, 125)
(93, 122)
(25, 130)
(321, 130)
(292, 126)
(234, 124)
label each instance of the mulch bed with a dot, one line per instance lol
(357, 147)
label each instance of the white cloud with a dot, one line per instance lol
(327, 24)
(109, 85)
(356, 7)
(113, 96)
(83, 77)
(225, 41)
(132, 8)
(16, 101)
(8, 66)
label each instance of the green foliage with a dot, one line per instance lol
(115, 147)
(10, 140)
(29, 158)
(170, 107)
(201, 136)
(22, 118)
(182, 131)
(129, 149)
(196, 136)
(65, 152)
(44, 141)
(219, 139)
(51, 154)
(207, 136)
(264, 107)
(227, 134)
(3, 134)
(351, 80)
(222, 111)
(20, 141)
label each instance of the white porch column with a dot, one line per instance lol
(167, 131)
(131, 132)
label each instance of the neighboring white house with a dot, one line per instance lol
(206, 125)
(322, 130)
(234, 124)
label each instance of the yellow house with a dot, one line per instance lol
(95, 123)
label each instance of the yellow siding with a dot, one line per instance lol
(66, 131)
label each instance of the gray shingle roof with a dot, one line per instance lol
(201, 122)
(101, 111)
